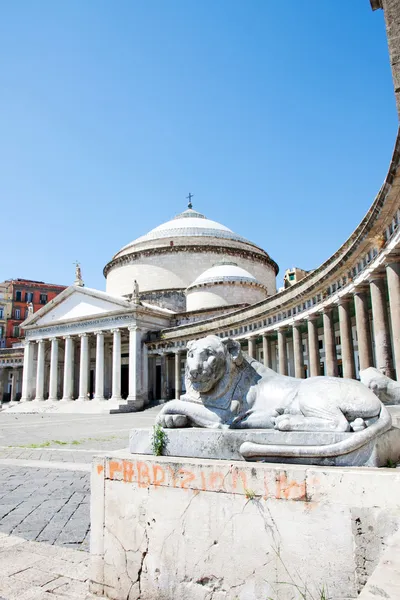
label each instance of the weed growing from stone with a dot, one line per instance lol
(249, 494)
(158, 440)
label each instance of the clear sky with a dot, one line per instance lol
(279, 116)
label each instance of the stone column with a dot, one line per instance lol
(163, 376)
(346, 339)
(313, 348)
(178, 389)
(99, 375)
(84, 368)
(152, 374)
(380, 324)
(116, 366)
(298, 351)
(331, 364)
(40, 370)
(68, 391)
(282, 351)
(53, 384)
(14, 386)
(267, 351)
(135, 366)
(393, 281)
(27, 373)
(363, 332)
(252, 347)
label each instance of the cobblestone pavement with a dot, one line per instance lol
(46, 505)
(37, 571)
(44, 498)
(77, 432)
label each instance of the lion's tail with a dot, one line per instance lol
(252, 451)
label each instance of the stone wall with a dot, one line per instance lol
(392, 18)
(187, 529)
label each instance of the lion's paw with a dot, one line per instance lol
(172, 421)
(282, 423)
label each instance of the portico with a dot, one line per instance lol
(75, 364)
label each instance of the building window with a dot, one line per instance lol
(1, 313)
(28, 296)
(320, 344)
(15, 331)
(337, 340)
(291, 276)
(17, 313)
(18, 296)
(43, 299)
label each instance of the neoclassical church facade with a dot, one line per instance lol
(89, 350)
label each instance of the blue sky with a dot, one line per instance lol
(279, 116)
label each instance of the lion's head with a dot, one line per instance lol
(207, 361)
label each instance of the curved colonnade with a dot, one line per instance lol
(341, 318)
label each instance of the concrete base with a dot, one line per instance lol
(187, 529)
(71, 406)
(225, 444)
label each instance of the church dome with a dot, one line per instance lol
(189, 223)
(224, 272)
(224, 284)
(170, 258)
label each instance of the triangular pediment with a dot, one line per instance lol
(76, 303)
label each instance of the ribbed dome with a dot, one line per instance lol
(189, 223)
(222, 273)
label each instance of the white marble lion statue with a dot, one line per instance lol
(225, 389)
(387, 390)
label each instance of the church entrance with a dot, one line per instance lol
(124, 381)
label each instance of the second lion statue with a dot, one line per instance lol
(226, 389)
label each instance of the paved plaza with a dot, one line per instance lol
(45, 498)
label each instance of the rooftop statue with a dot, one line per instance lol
(135, 293)
(227, 390)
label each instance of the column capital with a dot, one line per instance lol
(298, 323)
(115, 330)
(392, 259)
(361, 288)
(133, 328)
(343, 300)
(67, 337)
(376, 276)
(53, 339)
(42, 341)
(98, 332)
(177, 351)
(82, 335)
(313, 316)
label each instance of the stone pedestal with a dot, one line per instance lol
(179, 529)
(193, 442)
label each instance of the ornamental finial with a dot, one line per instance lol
(190, 205)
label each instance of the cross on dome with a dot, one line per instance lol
(189, 197)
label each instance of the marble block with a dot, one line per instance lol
(196, 442)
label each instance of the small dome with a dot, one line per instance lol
(223, 273)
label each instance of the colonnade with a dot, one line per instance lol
(33, 383)
(377, 331)
(169, 382)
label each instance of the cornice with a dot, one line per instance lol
(257, 255)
